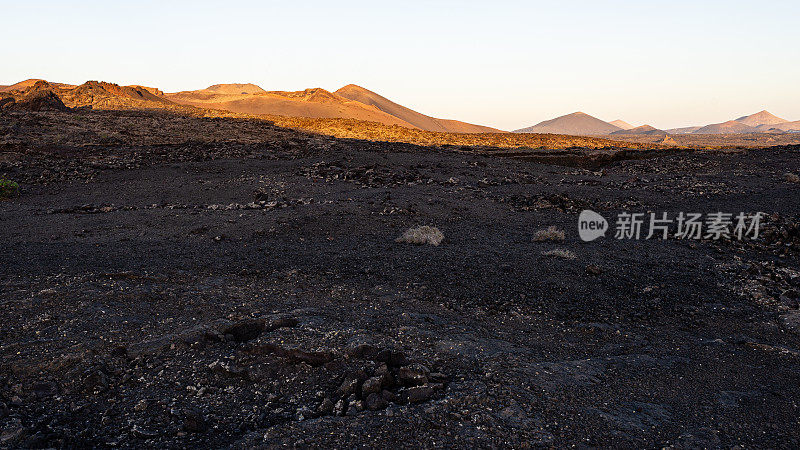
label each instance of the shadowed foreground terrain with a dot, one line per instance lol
(230, 283)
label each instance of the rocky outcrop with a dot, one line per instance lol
(39, 97)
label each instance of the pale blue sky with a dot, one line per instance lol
(506, 64)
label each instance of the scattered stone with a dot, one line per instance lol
(391, 357)
(592, 269)
(226, 369)
(371, 386)
(437, 377)
(419, 394)
(699, 438)
(283, 322)
(340, 408)
(245, 330)
(413, 375)
(144, 433)
(375, 401)
(326, 407)
(389, 396)
(311, 358)
(304, 413)
(43, 390)
(382, 370)
(364, 351)
(119, 351)
(515, 417)
(95, 381)
(194, 422)
(11, 436)
(791, 320)
(348, 387)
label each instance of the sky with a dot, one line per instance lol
(507, 64)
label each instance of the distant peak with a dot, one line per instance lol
(352, 87)
(236, 88)
(762, 117)
(622, 124)
(763, 112)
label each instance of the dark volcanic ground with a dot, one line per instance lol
(252, 294)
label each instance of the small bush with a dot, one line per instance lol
(549, 234)
(8, 189)
(110, 138)
(560, 253)
(422, 235)
(791, 177)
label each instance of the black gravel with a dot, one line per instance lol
(246, 295)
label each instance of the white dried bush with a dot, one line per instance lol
(549, 234)
(422, 235)
(791, 177)
(560, 253)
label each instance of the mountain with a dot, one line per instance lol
(684, 130)
(43, 95)
(418, 120)
(783, 126)
(644, 130)
(760, 118)
(102, 95)
(37, 97)
(760, 122)
(316, 103)
(622, 124)
(22, 85)
(576, 124)
(349, 102)
(236, 88)
(729, 127)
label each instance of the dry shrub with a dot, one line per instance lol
(422, 235)
(549, 234)
(791, 177)
(560, 253)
